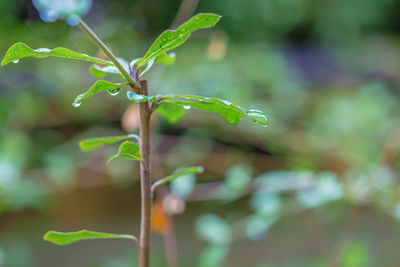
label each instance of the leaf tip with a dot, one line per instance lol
(48, 237)
(82, 147)
(111, 159)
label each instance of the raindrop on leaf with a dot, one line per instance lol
(16, 61)
(43, 50)
(114, 91)
(186, 107)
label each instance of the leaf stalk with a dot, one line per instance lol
(107, 51)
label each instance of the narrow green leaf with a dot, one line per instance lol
(128, 150)
(166, 59)
(177, 174)
(99, 86)
(140, 98)
(21, 50)
(62, 239)
(97, 142)
(170, 39)
(148, 66)
(99, 72)
(231, 112)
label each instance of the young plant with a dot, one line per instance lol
(137, 147)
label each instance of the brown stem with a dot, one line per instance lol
(145, 180)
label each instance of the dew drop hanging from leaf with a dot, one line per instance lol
(76, 104)
(78, 101)
(114, 91)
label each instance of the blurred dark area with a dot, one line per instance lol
(318, 187)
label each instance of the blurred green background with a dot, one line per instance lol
(318, 187)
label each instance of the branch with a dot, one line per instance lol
(107, 51)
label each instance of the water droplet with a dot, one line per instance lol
(259, 122)
(78, 100)
(114, 91)
(43, 50)
(186, 107)
(226, 102)
(16, 61)
(76, 104)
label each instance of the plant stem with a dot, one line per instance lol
(107, 51)
(145, 180)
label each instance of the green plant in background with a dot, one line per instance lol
(173, 107)
(271, 196)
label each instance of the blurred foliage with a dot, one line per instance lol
(326, 72)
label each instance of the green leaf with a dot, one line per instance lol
(60, 238)
(231, 112)
(171, 112)
(137, 98)
(99, 86)
(97, 142)
(128, 150)
(21, 50)
(148, 66)
(166, 59)
(177, 174)
(99, 72)
(170, 39)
